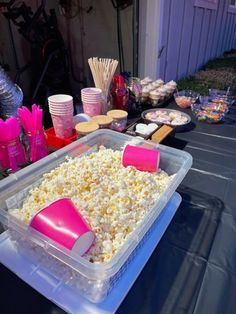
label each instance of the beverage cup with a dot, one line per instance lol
(92, 109)
(61, 222)
(91, 91)
(63, 124)
(60, 99)
(143, 159)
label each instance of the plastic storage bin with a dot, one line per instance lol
(93, 281)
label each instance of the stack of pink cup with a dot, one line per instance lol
(92, 99)
(61, 110)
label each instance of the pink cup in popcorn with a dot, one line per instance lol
(143, 159)
(61, 222)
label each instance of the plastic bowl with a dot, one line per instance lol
(185, 98)
(215, 107)
(221, 93)
(214, 103)
(205, 114)
(218, 95)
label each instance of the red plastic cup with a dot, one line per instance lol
(61, 222)
(143, 159)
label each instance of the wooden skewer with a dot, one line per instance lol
(103, 71)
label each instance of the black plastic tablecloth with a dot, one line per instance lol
(193, 268)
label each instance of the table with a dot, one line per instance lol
(193, 268)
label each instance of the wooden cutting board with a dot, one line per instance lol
(157, 137)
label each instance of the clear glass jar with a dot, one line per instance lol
(119, 119)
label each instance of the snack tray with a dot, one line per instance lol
(67, 298)
(188, 118)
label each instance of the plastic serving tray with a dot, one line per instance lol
(93, 281)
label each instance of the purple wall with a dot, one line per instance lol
(191, 35)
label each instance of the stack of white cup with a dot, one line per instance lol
(92, 99)
(61, 110)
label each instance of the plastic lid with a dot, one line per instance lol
(86, 127)
(102, 119)
(117, 114)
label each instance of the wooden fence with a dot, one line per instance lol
(191, 35)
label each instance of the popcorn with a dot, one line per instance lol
(112, 199)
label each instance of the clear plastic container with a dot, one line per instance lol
(93, 281)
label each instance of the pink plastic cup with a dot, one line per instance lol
(143, 159)
(63, 124)
(61, 222)
(92, 109)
